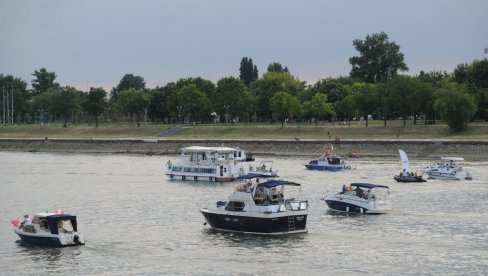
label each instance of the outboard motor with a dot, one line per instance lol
(77, 240)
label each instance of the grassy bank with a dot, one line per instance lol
(357, 131)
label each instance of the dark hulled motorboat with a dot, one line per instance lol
(362, 198)
(409, 178)
(261, 208)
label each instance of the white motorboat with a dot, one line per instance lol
(262, 208)
(447, 170)
(206, 164)
(363, 198)
(406, 175)
(51, 229)
(264, 168)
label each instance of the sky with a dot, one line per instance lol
(94, 43)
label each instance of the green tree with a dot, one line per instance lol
(346, 107)
(59, 100)
(378, 59)
(133, 102)
(366, 99)
(43, 80)
(277, 68)
(192, 103)
(455, 106)
(95, 102)
(270, 84)
(317, 107)
(203, 85)
(229, 97)
(248, 71)
(127, 82)
(475, 75)
(283, 105)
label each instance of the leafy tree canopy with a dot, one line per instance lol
(277, 68)
(270, 84)
(127, 82)
(455, 106)
(133, 101)
(378, 59)
(282, 105)
(248, 72)
(230, 97)
(43, 80)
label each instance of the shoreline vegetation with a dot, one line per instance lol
(376, 140)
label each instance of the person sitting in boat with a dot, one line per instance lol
(251, 169)
(359, 192)
(349, 189)
(344, 189)
(25, 221)
(263, 167)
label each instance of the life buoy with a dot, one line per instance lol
(171, 176)
(216, 179)
(210, 178)
(183, 178)
(195, 178)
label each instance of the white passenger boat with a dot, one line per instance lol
(362, 198)
(260, 208)
(447, 170)
(264, 168)
(206, 164)
(50, 229)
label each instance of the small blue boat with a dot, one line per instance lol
(334, 163)
(330, 161)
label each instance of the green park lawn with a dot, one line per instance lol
(477, 131)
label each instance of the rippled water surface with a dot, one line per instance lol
(137, 222)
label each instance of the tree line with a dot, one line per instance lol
(373, 89)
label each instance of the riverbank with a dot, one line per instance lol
(470, 150)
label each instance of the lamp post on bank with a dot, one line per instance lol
(226, 110)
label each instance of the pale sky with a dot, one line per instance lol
(96, 42)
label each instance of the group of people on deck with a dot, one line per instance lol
(359, 191)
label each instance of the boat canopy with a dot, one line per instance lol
(452, 158)
(206, 149)
(253, 175)
(274, 183)
(52, 220)
(368, 185)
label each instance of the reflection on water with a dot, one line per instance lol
(137, 222)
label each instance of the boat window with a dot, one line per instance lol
(314, 162)
(236, 206)
(29, 229)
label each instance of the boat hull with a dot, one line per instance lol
(272, 225)
(327, 167)
(47, 241)
(51, 239)
(446, 176)
(347, 207)
(200, 178)
(409, 179)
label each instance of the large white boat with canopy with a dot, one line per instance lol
(214, 164)
(447, 170)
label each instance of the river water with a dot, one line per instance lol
(137, 222)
